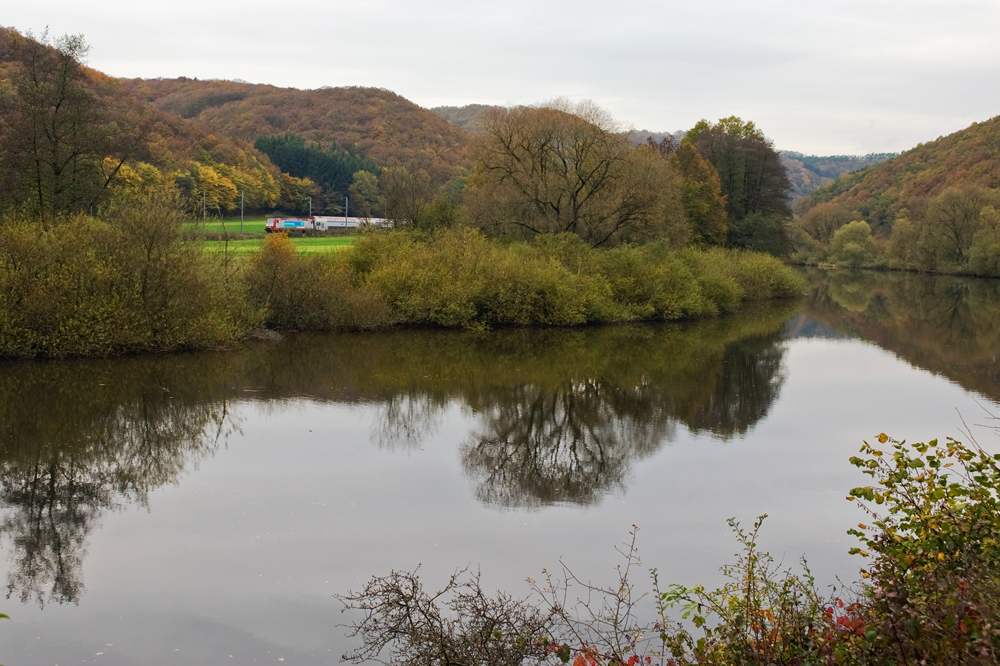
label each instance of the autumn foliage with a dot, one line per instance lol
(933, 208)
(373, 122)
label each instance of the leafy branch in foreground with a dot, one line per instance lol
(761, 615)
(934, 544)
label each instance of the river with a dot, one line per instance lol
(205, 508)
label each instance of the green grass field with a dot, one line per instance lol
(244, 247)
(250, 226)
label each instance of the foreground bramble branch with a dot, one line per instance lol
(460, 624)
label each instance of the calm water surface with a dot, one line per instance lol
(202, 509)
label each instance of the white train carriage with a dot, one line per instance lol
(322, 223)
(329, 222)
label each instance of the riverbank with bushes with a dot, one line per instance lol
(133, 284)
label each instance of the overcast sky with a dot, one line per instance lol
(829, 77)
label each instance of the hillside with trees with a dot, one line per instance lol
(468, 117)
(370, 122)
(911, 181)
(74, 138)
(807, 173)
(933, 208)
(562, 221)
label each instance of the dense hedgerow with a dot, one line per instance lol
(460, 278)
(310, 292)
(130, 283)
(126, 284)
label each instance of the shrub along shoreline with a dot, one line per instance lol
(87, 287)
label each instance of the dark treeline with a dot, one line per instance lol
(753, 180)
(332, 169)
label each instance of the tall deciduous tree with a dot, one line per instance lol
(752, 178)
(407, 194)
(822, 220)
(57, 132)
(566, 168)
(952, 221)
(704, 202)
(364, 193)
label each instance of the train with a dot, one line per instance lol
(322, 223)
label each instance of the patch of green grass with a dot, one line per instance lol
(323, 243)
(308, 245)
(254, 225)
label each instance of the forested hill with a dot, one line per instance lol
(468, 117)
(969, 157)
(373, 122)
(70, 137)
(807, 173)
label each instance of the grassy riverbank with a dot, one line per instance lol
(136, 283)
(225, 236)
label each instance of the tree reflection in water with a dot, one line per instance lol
(562, 416)
(567, 445)
(942, 323)
(574, 440)
(82, 438)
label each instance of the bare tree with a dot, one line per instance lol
(66, 143)
(563, 168)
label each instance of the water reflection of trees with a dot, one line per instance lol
(573, 435)
(562, 416)
(744, 392)
(942, 323)
(571, 444)
(80, 439)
